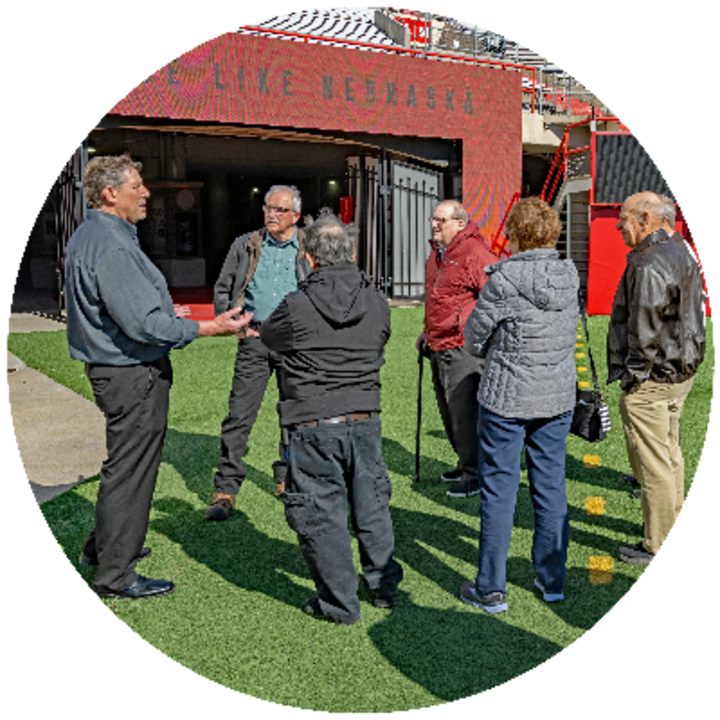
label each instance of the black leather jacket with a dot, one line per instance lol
(657, 325)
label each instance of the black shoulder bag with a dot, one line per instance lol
(591, 419)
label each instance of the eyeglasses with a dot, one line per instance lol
(276, 210)
(440, 221)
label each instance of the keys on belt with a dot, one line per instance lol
(352, 417)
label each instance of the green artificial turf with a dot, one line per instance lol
(236, 615)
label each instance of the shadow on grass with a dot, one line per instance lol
(484, 651)
(419, 641)
(195, 458)
(70, 518)
(401, 462)
(235, 550)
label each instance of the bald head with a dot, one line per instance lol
(449, 218)
(640, 215)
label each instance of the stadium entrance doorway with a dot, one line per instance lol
(390, 202)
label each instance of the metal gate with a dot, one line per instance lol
(69, 208)
(415, 192)
(393, 202)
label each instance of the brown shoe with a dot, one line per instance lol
(220, 507)
(280, 472)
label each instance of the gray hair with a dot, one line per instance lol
(329, 241)
(652, 204)
(104, 171)
(458, 212)
(669, 210)
(296, 201)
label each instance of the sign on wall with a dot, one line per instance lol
(247, 80)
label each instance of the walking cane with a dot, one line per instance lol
(419, 415)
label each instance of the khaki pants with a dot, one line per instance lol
(651, 420)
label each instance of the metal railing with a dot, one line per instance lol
(576, 162)
(499, 244)
(552, 90)
(424, 53)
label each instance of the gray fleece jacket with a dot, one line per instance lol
(525, 324)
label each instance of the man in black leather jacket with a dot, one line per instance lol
(655, 344)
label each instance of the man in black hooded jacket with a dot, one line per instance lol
(331, 336)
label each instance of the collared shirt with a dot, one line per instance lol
(274, 278)
(119, 310)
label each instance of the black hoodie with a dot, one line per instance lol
(331, 335)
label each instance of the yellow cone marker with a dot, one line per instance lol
(600, 570)
(579, 355)
(584, 383)
(595, 505)
(591, 461)
(582, 369)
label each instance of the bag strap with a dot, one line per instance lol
(581, 302)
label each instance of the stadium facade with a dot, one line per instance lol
(376, 114)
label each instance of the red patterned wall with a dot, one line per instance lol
(250, 80)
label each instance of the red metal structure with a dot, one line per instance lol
(606, 249)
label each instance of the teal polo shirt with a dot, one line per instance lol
(274, 278)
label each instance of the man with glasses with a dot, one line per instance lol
(260, 269)
(454, 276)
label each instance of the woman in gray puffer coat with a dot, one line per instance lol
(525, 324)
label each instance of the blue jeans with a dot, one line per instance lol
(501, 443)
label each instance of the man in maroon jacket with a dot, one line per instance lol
(454, 275)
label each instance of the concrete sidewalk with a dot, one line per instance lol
(60, 435)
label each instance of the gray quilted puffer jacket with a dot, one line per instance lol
(525, 322)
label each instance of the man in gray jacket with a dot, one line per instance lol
(121, 323)
(260, 269)
(655, 344)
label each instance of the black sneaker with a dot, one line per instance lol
(635, 554)
(464, 488)
(630, 480)
(385, 597)
(493, 603)
(312, 608)
(452, 475)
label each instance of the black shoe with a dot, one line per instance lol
(312, 608)
(142, 588)
(630, 480)
(92, 559)
(452, 475)
(635, 554)
(464, 488)
(385, 597)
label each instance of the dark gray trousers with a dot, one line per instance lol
(134, 400)
(254, 364)
(456, 376)
(332, 465)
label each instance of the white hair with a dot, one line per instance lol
(296, 201)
